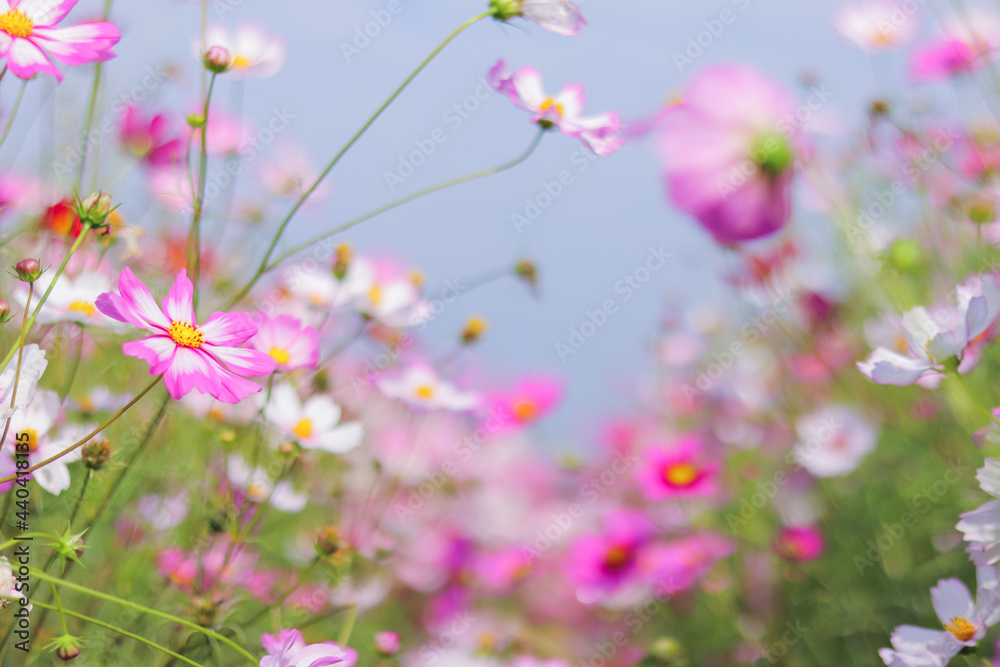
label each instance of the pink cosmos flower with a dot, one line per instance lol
(606, 561)
(150, 138)
(678, 472)
(289, 649)
(190, 356)
(530, 399)
(291, 344)
(387, 643)
(968, 44)
(799, 543)
(678, 565)
(563, 111)
(874, 25)
(28, 30)
(729, 153)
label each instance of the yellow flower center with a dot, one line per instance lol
(84, 307)
(375, 295)
(425, 392)
(257, 491)
(525, 410)
(16, 23)
(32, 439)
(186, 334)
(303, 429)
(961, 628)
(279, 355)
(239, 62)
(550, 103)
(681, 474)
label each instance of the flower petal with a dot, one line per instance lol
(179, 302)
(228, 329)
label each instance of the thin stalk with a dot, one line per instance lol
(194, 242)
(13, 112)
(348, 627)
(45, 297)
(59, 608)
(112, 419)
(124, 633)
(343, 151)
(145, 610)
(416, 195)
(20, 355)
(79, 500)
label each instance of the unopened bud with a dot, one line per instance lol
(4, 312)
(67, 652)
(475, 327)
(387, 643)
(342, 261)
(96, 453)
(328, 541)
(93, 211)
(196, 120)
(28, 270)
(526, 271)
(217, 59)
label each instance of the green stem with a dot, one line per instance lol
(38, 574)
(348, 628)
(79, 500)
(112, 419)
(416, 195)
(71, 376)
(194, 242)
(333, 163)
(59, 607)
(125, 633)
(13, 112)
(45, 297)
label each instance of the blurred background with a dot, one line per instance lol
(597, 230)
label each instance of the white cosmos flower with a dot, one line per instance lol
(874, 25)
(72, 299)
(8, 585)
(37, 422)
(833, 440)
(259, 489)
(981, 526)
(965, 622)
(254, 53)
(560, 16)
(420, 386)
(315, 423)
(33, 365)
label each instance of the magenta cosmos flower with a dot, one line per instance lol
(799, 544)
(678, 472)
(605, 562)
(29, 36)
(729, 153)
(564, 111)
(190, 356)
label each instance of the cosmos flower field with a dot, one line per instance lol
(251, 452)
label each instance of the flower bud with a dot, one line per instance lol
(4, 312)
(96, 453)
(387, 643)
(906, 255)
(217, 59)
(196, 120)
(527, 272)
(505, 10)
(328, 541)
(342, 261)
(28, 270)
(67, 653)
(66, 647)
(475, 327)
(93, 211)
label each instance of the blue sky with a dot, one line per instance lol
(601, 226)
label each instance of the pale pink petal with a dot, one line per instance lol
(25, 60)
(233, 388)
(81, 44)
(179, 302)
(5, 43)
(228, 329)
(243, 360)
(135, 306)
(157, 351)
(45, 12)
(191, 369)
(527, 89)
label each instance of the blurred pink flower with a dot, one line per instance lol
(874, 25)
(607, 561)
(254, 53)
(799, 543)
(729, 153)
(531, 399)
(292, 345)
(190, 356)
(678, 472)
(26, 26)
(150, 138)
(678, 565)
